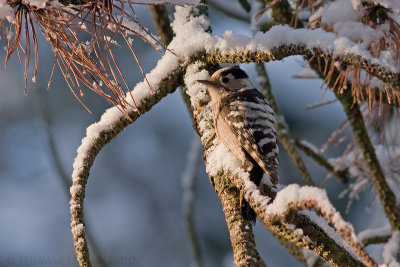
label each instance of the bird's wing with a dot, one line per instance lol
(252, 120)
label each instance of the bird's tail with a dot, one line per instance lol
(256, 175)
(247, 212)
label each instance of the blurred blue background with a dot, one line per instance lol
(133, 205)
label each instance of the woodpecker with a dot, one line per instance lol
(245, 123)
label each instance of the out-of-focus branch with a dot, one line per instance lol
(92, 145)
(282, 13)
(341, 175)
(245, 5)
(55, 156)
(354, 116)
(284, 135)
(188, 186)
(386, 195)
(164, 29)
(375, 240)
(229, 11)
(162, 23)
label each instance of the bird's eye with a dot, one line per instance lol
(225, 80)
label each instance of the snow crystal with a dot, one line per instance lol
(340, 10)
(307, 73)
(78, 229)
(196, 91)
(76, 189)
(317, 14)
(222, 160)
(295, 193)
(258, 19)
(358, 31)
(310, 256)
(35, 3)
(6, 11)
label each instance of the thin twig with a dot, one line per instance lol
(62, 173)
(341, 175)
(162, 23)
(189, 190)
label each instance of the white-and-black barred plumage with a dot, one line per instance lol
(244, 122)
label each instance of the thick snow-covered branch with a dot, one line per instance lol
(283, 41)
(280, 42)
(294, 198)
(164, 81)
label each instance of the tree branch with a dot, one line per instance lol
(162, 23)
(284, 209)
(189, 188)
(240, 230)
(245, 55)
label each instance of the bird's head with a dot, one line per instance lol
(227, 80)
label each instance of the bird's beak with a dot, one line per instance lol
(205, 82)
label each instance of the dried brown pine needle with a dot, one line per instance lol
(364, 87)
(89, 64)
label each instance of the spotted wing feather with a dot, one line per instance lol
(252, 121)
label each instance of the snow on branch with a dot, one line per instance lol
(294, 198)
(164, 78)
(283, 41)
(279, 42)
